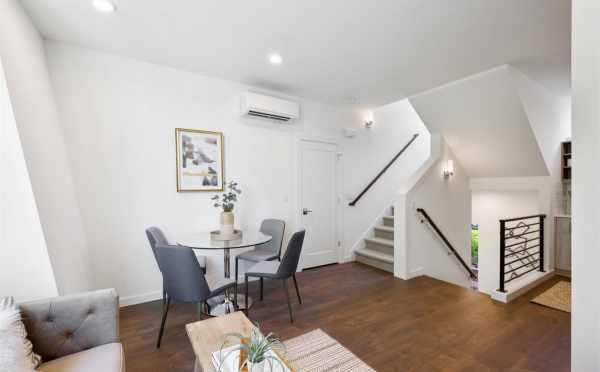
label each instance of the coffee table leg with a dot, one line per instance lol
(197, 366)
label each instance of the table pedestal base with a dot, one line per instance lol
(227, 306)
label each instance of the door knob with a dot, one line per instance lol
(305, 211)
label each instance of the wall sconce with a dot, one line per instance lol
(369, 124)
(449, 168)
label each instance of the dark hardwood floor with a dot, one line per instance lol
(393, 325)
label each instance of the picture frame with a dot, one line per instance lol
(199, 160)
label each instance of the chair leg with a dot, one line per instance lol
(246, 296)
(199, 310)
(296, 285)
(162, 323)
(237, 261)
(164, 299)
(261, 288)
(206, 308)
(287, 296)
(235, 296)
(235, 290)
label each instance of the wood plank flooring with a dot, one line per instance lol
(393, 325)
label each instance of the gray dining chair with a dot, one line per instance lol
(268, 251)
(157, 237)
(185, 280)
(280, 270)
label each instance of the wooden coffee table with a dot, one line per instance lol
(207, 336)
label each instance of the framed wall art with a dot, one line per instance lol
(199, 160)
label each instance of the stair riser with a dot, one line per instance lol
(384, 234)
(388, 222)
(375, 263)
(380, 248)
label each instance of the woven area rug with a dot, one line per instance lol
(557, 297)
(316, 351)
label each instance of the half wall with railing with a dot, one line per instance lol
(521, 247)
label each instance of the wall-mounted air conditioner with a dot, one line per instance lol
(261, 106)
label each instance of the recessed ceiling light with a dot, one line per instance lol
(104, 6)
(275, 59)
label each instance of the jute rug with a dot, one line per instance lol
(557, 297)
(316, 351)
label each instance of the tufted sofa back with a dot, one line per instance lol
(65, 325)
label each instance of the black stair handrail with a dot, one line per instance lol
(439, 232)
(353, 202)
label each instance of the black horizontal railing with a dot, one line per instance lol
(364, 191)
(445, 240)
(517, 256)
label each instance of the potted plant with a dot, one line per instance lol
(227, 201)
(255, 351)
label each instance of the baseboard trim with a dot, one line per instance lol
(511, 294)
(416, 273)
(157, 295)
(139, 299)
(348, 258)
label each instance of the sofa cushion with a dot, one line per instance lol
(15, 350)
(68, 324)
(104, 358)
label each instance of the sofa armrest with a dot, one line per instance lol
(65, 325)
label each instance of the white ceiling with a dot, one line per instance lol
(337, 51)
(484, 121)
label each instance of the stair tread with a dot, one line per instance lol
(385, 228)
(381, 241)
(376, 255)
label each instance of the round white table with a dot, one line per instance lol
(203, 240)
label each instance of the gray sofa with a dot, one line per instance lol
(76, 332)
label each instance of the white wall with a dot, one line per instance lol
(549, 117)
(481, 117)
(118, 118)
(585, 315)
(418, 250)
(550, 120)
(22, 52)
(367, 153)
(543, 187)
(25, 270)
(488, 208)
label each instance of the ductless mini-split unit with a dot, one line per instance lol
(266, 107)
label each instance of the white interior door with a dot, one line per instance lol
(318, 203)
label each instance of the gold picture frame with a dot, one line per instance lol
(199, 159)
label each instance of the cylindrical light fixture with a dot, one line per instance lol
(449, 168)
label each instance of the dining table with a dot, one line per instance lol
(204, 241)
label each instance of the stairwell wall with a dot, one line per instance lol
(37, 120)
(367, 153)
(418, 250)
(489, 206)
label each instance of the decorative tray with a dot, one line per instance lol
(216, 235)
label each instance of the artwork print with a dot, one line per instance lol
(199, 160)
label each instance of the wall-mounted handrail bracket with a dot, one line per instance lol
(389, 164)
(446, 241)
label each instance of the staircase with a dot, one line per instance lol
(379, 250)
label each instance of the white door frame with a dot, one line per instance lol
(337, 213)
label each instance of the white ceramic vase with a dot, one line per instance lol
(227, 221)
(256, 367)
